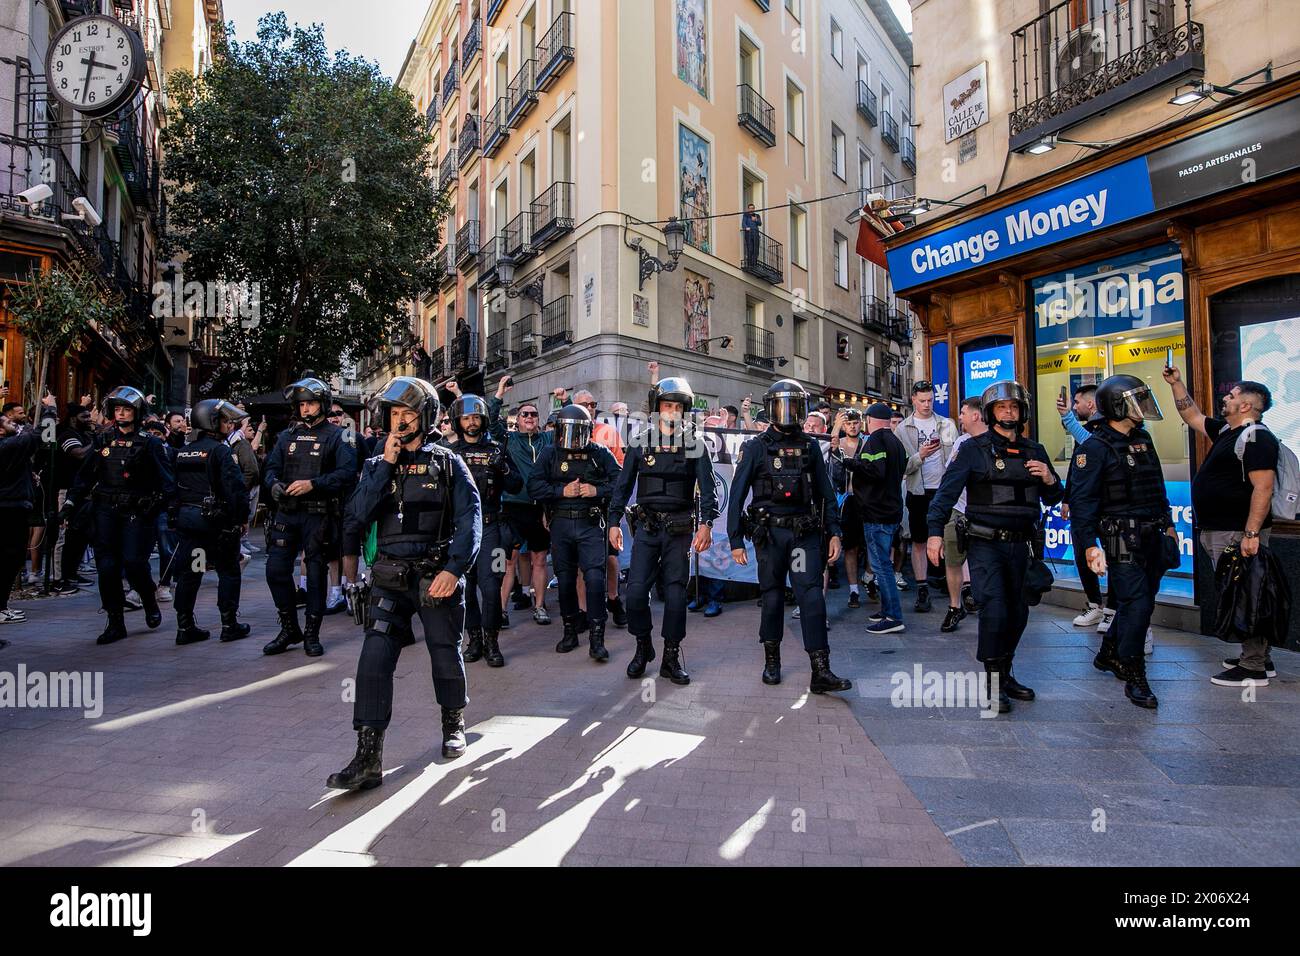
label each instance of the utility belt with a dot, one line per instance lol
(966, 529)
(128, 502)
(759, 521)
(319, 506)
(672, 522)
(213, 510)
(593, 513)
(1122, 538)
(492, 517)
(401, 574)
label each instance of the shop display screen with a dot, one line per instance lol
(980, 368)
(1270, 353)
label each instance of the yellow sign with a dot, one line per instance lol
(1148, 351)
(1073, 360)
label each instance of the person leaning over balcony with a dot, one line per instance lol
(928, 440)
(751, 223)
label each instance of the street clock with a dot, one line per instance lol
(95, 64)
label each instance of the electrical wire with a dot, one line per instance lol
(784, 205)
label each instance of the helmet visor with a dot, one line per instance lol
(572, 435)
(1141, 405)
(787, 410)
(404, 392)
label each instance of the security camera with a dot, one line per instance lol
(88, 213)
(38, 193)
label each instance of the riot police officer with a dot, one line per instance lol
(129, 477)
(309, 475)
(793, 504)
(1118, 495)
(574, 480)
(1007, 479)
(423, 501)
(209, 512)
(667, 465)
(494, 472)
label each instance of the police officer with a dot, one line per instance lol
(1118, 494)
(309, 475)
(425, 506)
(793, 504)
(494, 472)
(209, 511)
(1007, 479)
(129, 477)
(668, 465)
(574, 480)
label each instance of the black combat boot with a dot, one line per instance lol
(492, 651)
(771, 662)
(116, 629)
(187, 632)
(1107, 658)
(366, 769)
(995, 678)
(1136, 687)
(823, 678)
(584, 622)
(231, 629)
(922, 598)
(596, 643)
(152, 612)
(474, 646)
(1013, 687)
(570, 638)
(644, 654)
(672, 665)
(453, 732)
(617, 611)
(311, 636)
(289, 633)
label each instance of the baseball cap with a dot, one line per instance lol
(880, 411)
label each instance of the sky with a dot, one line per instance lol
(358, 27)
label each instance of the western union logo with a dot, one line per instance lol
(1149, 351)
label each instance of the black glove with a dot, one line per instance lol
(278, 491)
(65, 513)
(1169, 551)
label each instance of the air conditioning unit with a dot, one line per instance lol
(1121, 27)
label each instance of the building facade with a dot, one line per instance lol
(1125, 177)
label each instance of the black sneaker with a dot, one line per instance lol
(1239, 677)
(505, 620)
(968, 599)
(885, 626)
(1269, 669)
(854, 600)
(873, 590)
(922, 599)
(64, 589)
(952, 619)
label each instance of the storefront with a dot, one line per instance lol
(1184, 245)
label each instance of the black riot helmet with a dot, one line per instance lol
(407, 391)
(673, 389)
(211, 412)
(1127, 396)
(1007, 391)
(127, 397)
(572, 427)
(468, 405)
(786, 404)
(309, 390)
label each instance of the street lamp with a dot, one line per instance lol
(674, 238)
(506, 274)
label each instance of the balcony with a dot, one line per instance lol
(889, 132)
(496, 127)
(520, 350)
(497, 355)
(522, 92)
(552, 214)
(462, 356)
(450, 82)
(467, 147)
(867, 103)
(431, 113)
(490, 252)
(447, 265)
(699, 227)
(556, 330)
(875, 315)
(467, 244)
(909, 152)
(756, 115)
(761, 256)
(473, 43)
(555, 52)
(518, 236)
(447, 171)
(493, 9)
(873, 379)
(900, 327)
(438, 365)
(758, 348)
(1067, 67)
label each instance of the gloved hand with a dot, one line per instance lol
(65, 513)
(278, 491)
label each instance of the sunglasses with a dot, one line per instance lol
(334, 415)
(587, 404)
(922, 387)
(527, 415)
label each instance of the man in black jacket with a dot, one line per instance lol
(18, 443)
(877, 471)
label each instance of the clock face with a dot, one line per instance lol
(95, 64)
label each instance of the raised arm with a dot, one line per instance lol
(1192, 415)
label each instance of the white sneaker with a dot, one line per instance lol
(163, 594)
(1150, 646)
(795, 615)
(244, 558)
(8, 616)
(1090, 617)
(1107, 615)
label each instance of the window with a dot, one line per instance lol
(794, 109)
(837, 42)
(864, 69)
(792, 7)
(798, 236)
(841, 261)
(800, 336)
(864, 175)
(751, 64)
(886, 101)
(887, 185)
(837, 151)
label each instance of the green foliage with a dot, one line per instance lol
(308, 175)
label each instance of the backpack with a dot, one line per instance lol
(1286, 488)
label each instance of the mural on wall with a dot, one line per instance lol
(693, 44)
(693, 187)
(697, 290)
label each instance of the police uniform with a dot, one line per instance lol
(793, 505)
(309, 523)
(128, 477)
(210, 506)
(578, 530)
(1118, 498)
(666, 476)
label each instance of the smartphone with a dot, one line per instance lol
(510, 381)
(1169, 357)
(1064, 395)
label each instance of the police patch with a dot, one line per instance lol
(1081, 461)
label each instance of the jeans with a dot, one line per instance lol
(167, 541)
(1254, 649)
(880, 538)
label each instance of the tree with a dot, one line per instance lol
(53, 308)
(308, 177)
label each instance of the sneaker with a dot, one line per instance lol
(1149, 646)
(696, 605)
(338, 607)
(553, 583)
(10, 616)
(540, 616)
(854, 600)
(80, 580)
(163, 594)
(244, 558)
(873, 590)
(521, 601)
(64, 589)
(952, 619)
(795, 615)
(1240, 677)
(922, 599)
(902, 584)
(1269, 669)
(713, 609)
(1107, 615)
(878, 616)
(1091, 616)
(131, 601)
(886, 625)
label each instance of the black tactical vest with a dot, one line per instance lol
(1010, 491)
(304, 456)
(126, 466)
(195, 471)
(484, 463)
(568, 465)
(783, 476)
(414, 510)
(1133, 484)
(665, 480)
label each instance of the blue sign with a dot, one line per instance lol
(939, 376)
(1102, 199)
(980, 368)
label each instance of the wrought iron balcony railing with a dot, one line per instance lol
(867, 103)
(552, 214)
(490, 252)
(889, 131)
(431, 112)
(555, 51)
(497, 354)
(447, 265)
(556, 329)
(467, 243)
(451, 82)
(518, 236)
(472, 43)
(909, 152)
(522, 91)
(875, 315)
(524, 328)
(496, 127)
(462, 355)
(761, 256)
(872, 378)
(447, 171)
(756, 114)
(467, 147)
(758, 348)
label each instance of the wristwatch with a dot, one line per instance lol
(1250, 534)
(708, 524)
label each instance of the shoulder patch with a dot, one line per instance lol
(1081, 461)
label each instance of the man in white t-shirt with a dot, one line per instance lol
(928, 440)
